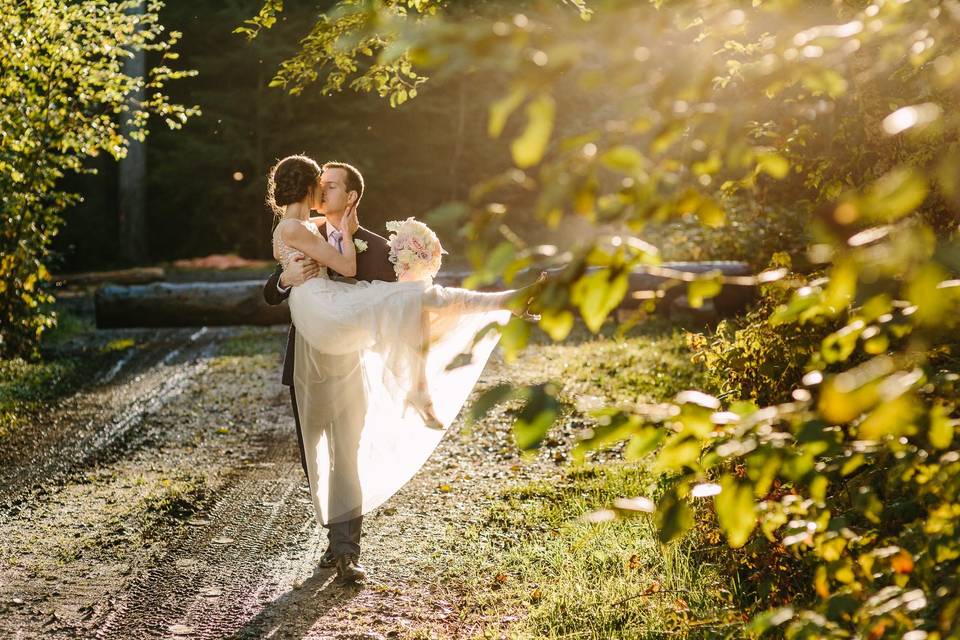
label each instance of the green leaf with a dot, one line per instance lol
(643, 442)
(773, 164)
(557, 324)
(895, 195)
(735, 510)
(711, 214)
(673, 518)
(513, 337)
(800, 302)
(489, 399)
(501, 256)
(703, 288)
(769, 619)
(941, 427)
(842, 288)
(623, 158)
(538, 415)
(596, 296)
(613, 426)
(501, 109)
(528, 149)
(839, 345)
(678, 453)
(894, 417)
(932, 302)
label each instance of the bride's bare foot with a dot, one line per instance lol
(531, 290)
(422, 402)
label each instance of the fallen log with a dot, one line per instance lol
(668, 283)
(192, 304)
(140, 275)
(188, 304)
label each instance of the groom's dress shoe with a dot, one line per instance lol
(328, 560)
(349, 569)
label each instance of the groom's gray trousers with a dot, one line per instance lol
(344, 537)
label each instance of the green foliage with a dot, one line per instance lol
(843, 114)
(752, 358)
(750, 234)
(64, 97)
(354, 41)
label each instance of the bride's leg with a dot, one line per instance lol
(454, 299)
(420, 397)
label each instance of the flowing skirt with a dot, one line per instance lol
(364, 355)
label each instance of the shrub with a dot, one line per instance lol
(64, 97)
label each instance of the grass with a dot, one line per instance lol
(28, 387)
(652, 362)
(131, 513)
(535, 568)
(538, 560)
(254, 342)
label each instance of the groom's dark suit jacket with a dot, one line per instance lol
(372, 264)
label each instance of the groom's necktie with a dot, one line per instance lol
(336, 239)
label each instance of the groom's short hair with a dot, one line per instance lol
(354, 177)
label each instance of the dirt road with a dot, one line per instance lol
(167, 500)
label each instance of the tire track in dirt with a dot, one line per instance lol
(218, 574)
(85, 427)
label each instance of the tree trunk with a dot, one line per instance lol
(133, 171)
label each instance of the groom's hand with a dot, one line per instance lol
(299, 271)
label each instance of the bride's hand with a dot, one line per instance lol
(350, 222)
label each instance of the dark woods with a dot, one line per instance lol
(205, 183)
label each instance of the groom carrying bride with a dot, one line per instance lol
(340, 189)
(372, 382)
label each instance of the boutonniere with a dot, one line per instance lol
(360, 245)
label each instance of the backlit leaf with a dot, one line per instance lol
(501, 109)
(528, 149)
(735, 510)
(703, 288)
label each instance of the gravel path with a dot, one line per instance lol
(167, 501)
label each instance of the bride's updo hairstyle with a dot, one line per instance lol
(290, 180)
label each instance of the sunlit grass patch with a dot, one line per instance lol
(121, 344)
(538, 561)
(651, 363)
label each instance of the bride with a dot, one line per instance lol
(381, 368)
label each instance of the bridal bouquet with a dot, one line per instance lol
(415, 250)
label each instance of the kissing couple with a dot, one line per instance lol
(370, 352)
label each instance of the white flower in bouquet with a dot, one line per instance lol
(415, 250)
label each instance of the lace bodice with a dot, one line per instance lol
(284, 253)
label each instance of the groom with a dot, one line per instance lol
(341, 187)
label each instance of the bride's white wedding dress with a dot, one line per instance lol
(369, 358)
